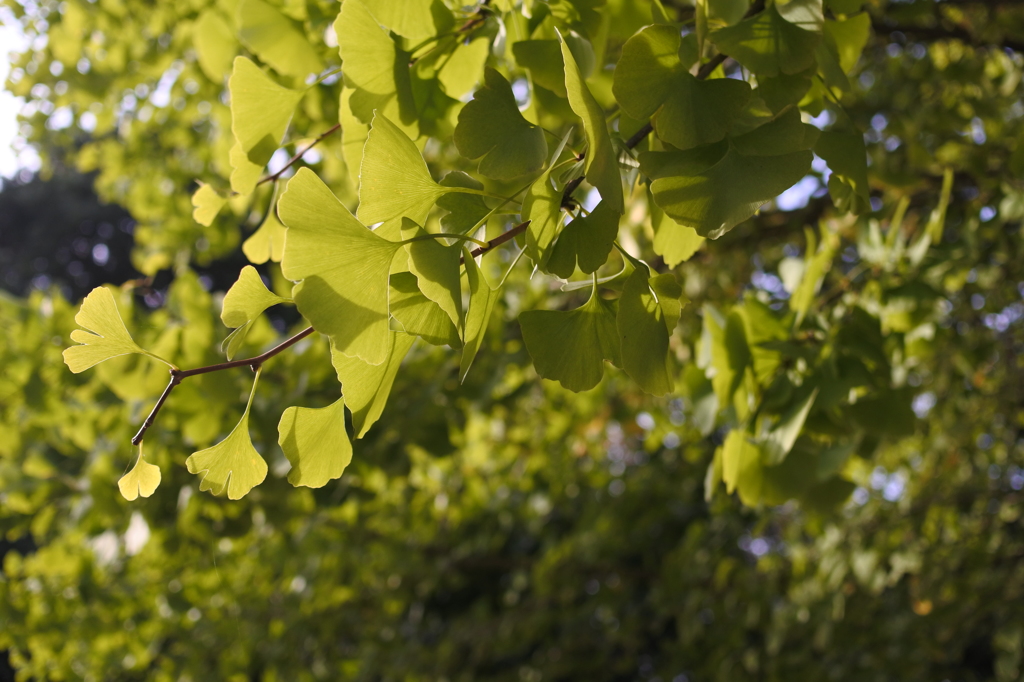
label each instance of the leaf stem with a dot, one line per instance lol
(292, 161)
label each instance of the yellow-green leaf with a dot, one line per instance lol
(316, 443)
(142, 480)
(106, 338)
(206, 203)
(366, 387)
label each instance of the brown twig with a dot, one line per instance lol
(292, 161)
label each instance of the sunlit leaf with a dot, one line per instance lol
(215, 44)
(570, 347)
(492, 129)
(366, 387)
(602, 164)
(675, 243)
(418, 315)
(586, 241)
(413, 19)
(542, 206)
(343, 266)
(316, 443)
(233, 465)
(643, 335)
(260, 110)
(768, 44)
(106, 338)
(245, 301)
(267, 242)
(276, 40)
(481, 303)
(142, 480)
(206, 203)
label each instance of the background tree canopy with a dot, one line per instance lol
(684, 344)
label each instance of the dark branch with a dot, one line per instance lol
(292, 161)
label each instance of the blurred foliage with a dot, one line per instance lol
(506, 528)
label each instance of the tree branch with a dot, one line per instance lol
(292, 161)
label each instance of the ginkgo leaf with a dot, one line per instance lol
(465, 210)
(464, 68)
(586, 241)
(366, 387)
(849, 36)
(714, 195)
(768, 44)
(602, 163)
(643, 335)
(784, 90)
(542, 206)
(492, 129)
(260, 110)
(206, 203)
(142, 480)
(215, 44)
(276, 40)
(316, 443)
(394, 180)
(245, 301)
(106, 338)
(675, 243)
(376, 68)
(436, 268)
(267, 242)
(651, 81)
(543, 59)
(570, 347)
(418, 315)
(343, 266)
(413, 19)
(244, 173)
(481, 304)
(741, 467)
(232, 465)
(846, 157)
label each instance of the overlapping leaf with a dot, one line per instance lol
(276, 40)
(481, 304)
(418, 315)
(643, 334)
(366, 387)
(585, 242)
(245, 301)
(260, 111)
(492, 129)
(768, 44)
(343, 268)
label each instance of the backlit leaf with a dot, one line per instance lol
(675, 243)
(418, 315)
(245, 301)
(276, 40)
(542, 206)
(267, 242)
(481, 303)
(142, 480)
(233, 465)
(366, 387)
(570, 347)
(343, 266)
(768, 44)
(106, 338)
(206, 204)
(316, 443)
(492, 129)
(215, 44)
(260, 110)
(643, 335)
(602, 164)
(586, 241)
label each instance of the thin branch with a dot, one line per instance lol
(499, 240)
(178, 374)
(292, 161)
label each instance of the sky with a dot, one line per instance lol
(11, 158)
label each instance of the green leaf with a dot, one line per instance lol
(643, 335)
(245, 301)
(267, 242)
(784, 90)
(817, 265)
(602, 163)
(276, 40)
(492, 129)
(675, 243)
(650, 81)
(849, 35)
(366, 387)
(888, 414)
(570, 347)
(782, 135)
(670, 297)
(542, 206)
(742, 469)
(715, 197)
(768, 44)
(343, 266)
(418, 315)
(846, 157)
(207, 204)
(394, 181)
(543, 59)
(729, 353)
(781, 438)
(481, 303)
(436, 268)
(413, 19)
(244, 173)
(465, 210)
(142, 480)
(233, 465)
(260, 110)
(464, 68)
(106, 338)
(316, 443)
(376, 68)
(762, 328)
(215, 44)
(585, 241)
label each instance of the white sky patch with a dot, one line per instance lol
(14, 153)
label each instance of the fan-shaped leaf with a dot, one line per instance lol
(142, 480)
(276, 40)
(366, 387)
(106, 338)
(768, 44)
(206, 203)
(343, 266)
(260, 110)
(316, 443)
(585, 241)
(266, 243)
